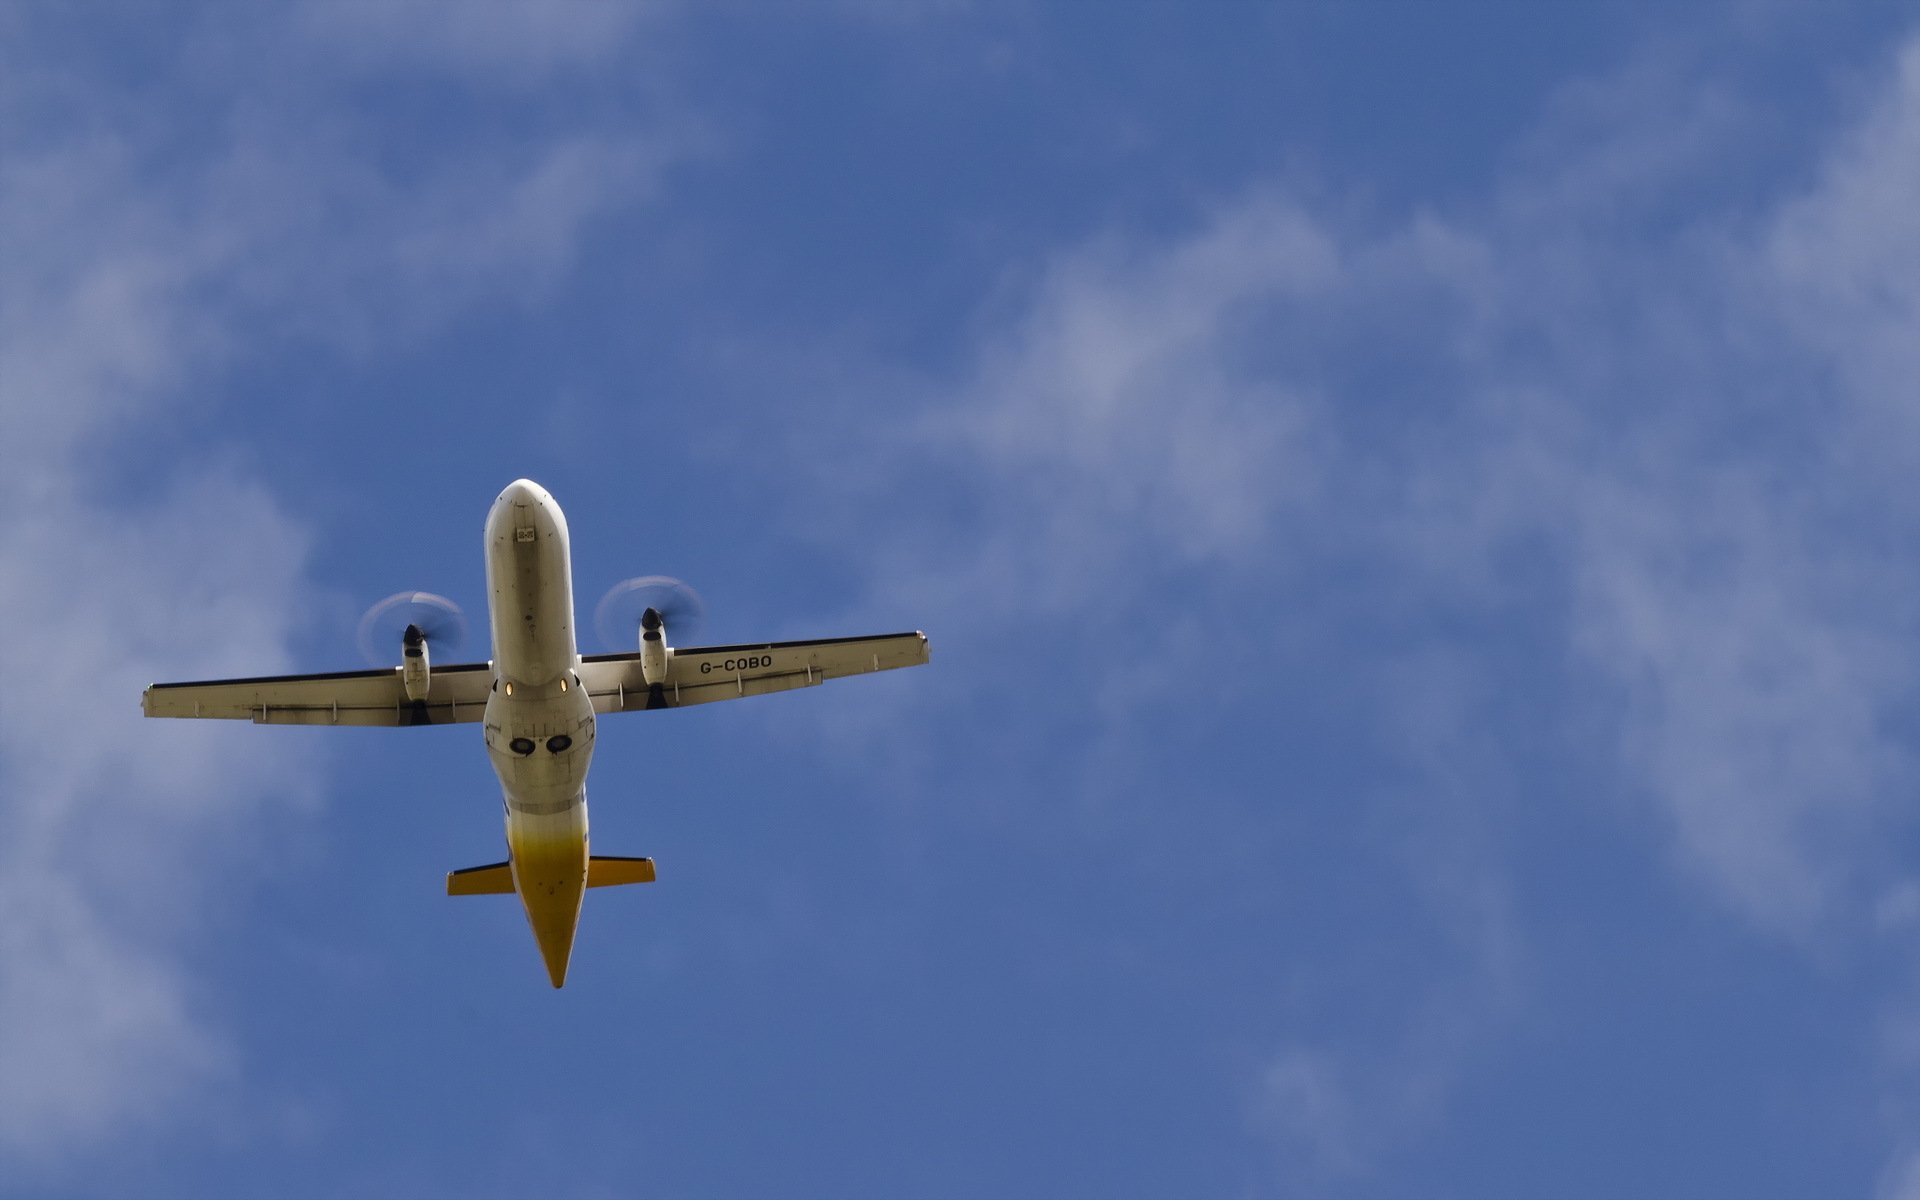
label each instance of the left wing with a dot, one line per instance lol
(705, 673)
(454, 694)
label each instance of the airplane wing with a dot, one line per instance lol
(459, 693)
(700, 674)
(454, 694)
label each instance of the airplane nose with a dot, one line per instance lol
(522, 511)
(524, 492)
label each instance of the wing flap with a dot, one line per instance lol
(703, 674)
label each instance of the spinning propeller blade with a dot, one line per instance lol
(618, 617)
(435, 619)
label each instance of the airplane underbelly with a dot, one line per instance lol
(541, 743)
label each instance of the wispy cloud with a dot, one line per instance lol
(1369, 1063)
(1620, 414)
(136, 274)
(526, 40)
(1590, 397)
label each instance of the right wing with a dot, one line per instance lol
(701, 674)
(454, 694)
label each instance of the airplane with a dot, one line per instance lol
(538, 701)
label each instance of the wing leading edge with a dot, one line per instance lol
(701, 674)
(455, 694)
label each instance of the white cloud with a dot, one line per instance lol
(107, 824)
(528, 39)
(1845, 258)
(1731, 545)
(1593, 397)
(137, 271)
(1757, 681)
(1621, 428)
(1308, 1101)
(1901, 1179)
(98, 1034)
(344, 252)
(1337, 1104)
(1117, 396)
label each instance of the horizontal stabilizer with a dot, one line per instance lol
(491, 880)
(606, 870)
(494, 879)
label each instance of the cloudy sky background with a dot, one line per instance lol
(1413, 506)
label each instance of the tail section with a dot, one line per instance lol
(496, 879)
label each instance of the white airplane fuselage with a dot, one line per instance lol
(537, 700)
(539, 719)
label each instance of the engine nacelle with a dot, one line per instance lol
(415, 671)
(653, 647)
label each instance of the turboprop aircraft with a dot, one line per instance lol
(537, 700)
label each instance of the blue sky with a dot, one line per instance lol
(1412, 504)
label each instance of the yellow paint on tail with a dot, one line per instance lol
(608, 870)
(490, 880)
(496, 879)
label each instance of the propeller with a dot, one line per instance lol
(407, 616)
(623, 610)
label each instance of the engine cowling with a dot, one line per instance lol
(653, 647)
(415, 667)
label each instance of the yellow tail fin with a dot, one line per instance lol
(490, 880)
(607, 870)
